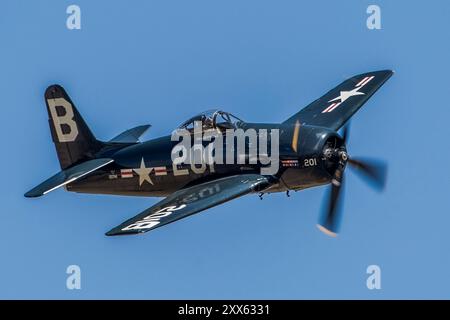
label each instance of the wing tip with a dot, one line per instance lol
(114, 232)
(388, 73)
(111, 233)
(32, 194)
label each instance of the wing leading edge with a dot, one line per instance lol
(186, 202)
(334, 108)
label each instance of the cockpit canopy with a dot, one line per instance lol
(212, 119)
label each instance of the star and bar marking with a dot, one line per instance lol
(344, 95)
(143, 172)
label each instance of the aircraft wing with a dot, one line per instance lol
(333, 109)
(188, 201)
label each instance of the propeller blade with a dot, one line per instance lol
(331, 217)
(346, 133)
(372, 170)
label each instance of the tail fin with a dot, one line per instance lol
(73, 139)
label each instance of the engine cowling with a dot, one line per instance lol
(318, 151)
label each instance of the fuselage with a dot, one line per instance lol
(147, 168)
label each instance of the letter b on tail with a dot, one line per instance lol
(62, 116)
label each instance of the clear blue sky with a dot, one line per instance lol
(160, 62)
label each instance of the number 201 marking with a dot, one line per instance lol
(311, 162)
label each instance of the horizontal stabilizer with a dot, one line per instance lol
(131, 135)
(67, 176)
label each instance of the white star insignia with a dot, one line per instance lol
(144, 173)
(344, 95)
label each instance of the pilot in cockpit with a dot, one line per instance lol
(212, 119)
